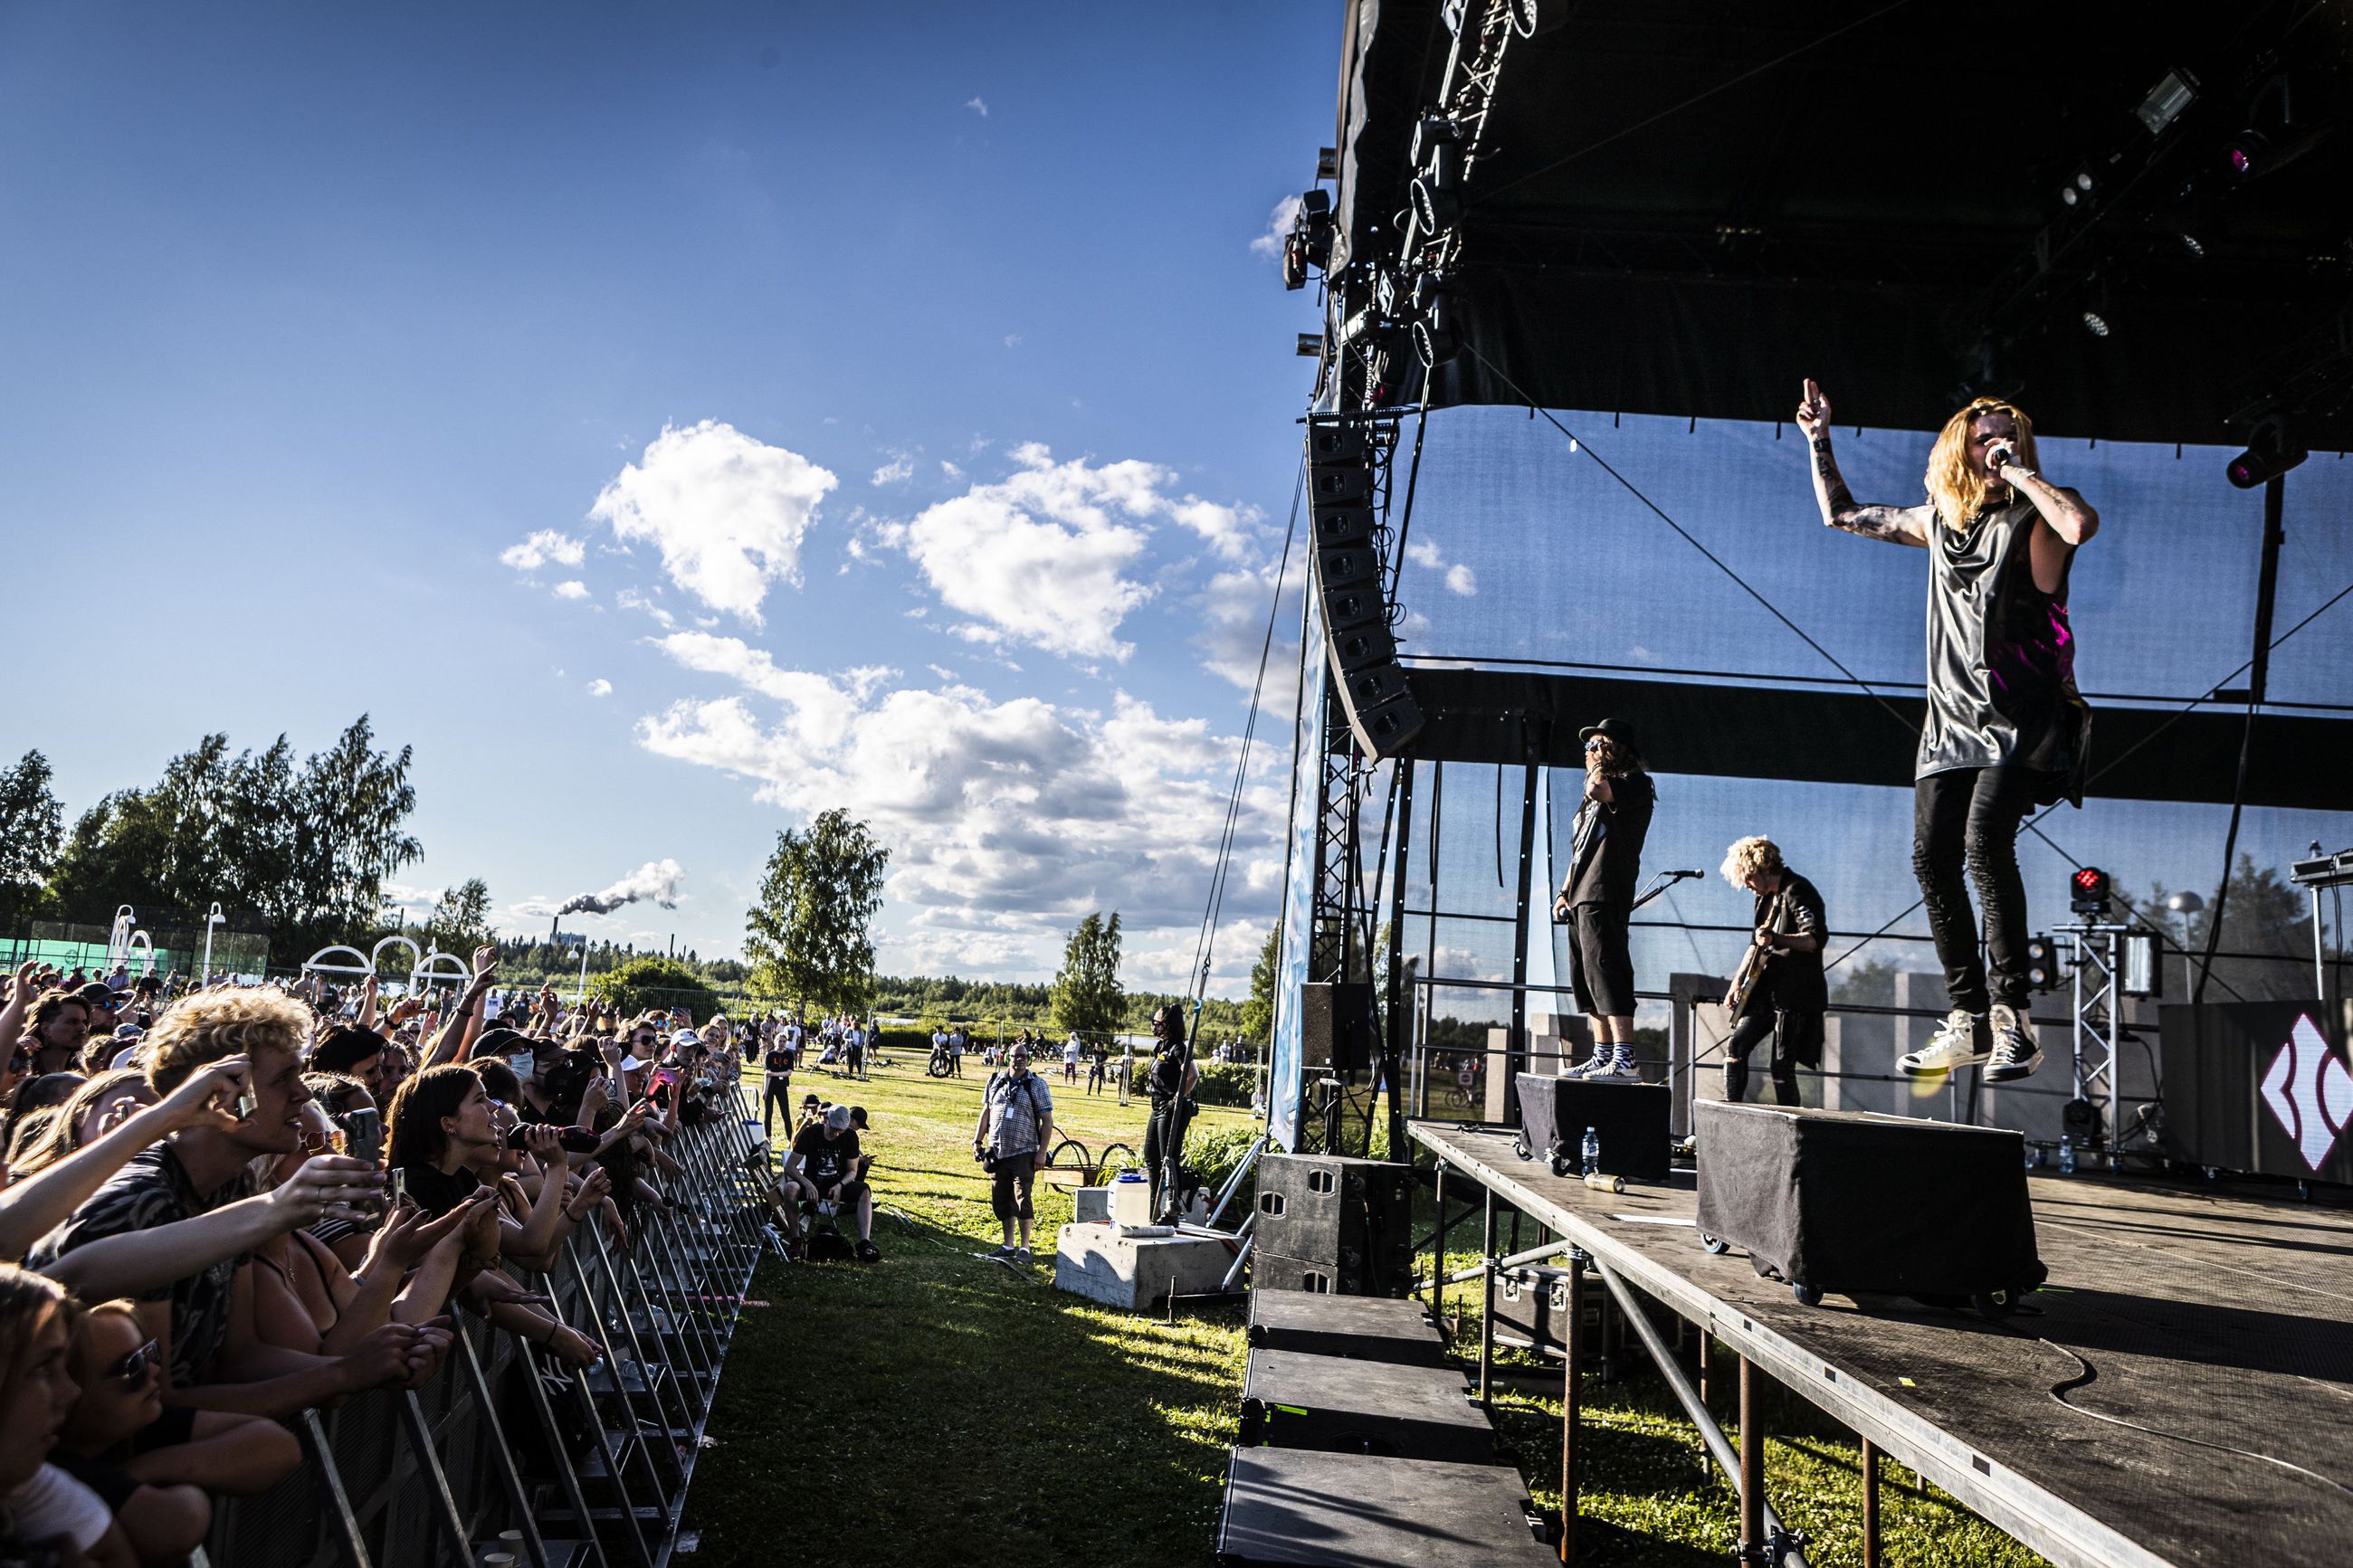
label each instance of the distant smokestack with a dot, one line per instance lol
(552, 923)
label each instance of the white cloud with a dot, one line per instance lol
(977, 105)
(1423, 552)
(952, 474)
(1278, 223)
(898, 471)
(1461, 579)
(541, 547)
(1013, 340)
(600, 688)
(1457, 577)
(573, 589)
(1006, 820)
(1043, 556)
(630, 599)
(728, 512)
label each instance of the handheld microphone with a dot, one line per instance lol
(2002, 456)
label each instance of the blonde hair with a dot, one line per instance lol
(207, 1025)
(1749, 856)
(62, 1135)
(1957, 490)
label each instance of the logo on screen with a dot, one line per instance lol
(2310, 1091)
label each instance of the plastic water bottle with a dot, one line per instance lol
(2034, 1155)
(1592, 1152)
(2066, 1155)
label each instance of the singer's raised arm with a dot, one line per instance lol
(1896, 524)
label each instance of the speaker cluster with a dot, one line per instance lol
(1373, 692)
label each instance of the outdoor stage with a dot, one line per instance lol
(2225, 1322)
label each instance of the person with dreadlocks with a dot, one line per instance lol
(2006, 730)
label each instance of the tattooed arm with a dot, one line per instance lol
(1896, 524)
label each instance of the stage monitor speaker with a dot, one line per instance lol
(1854, 1201)
(1338, 484)
(1334, 526)
(1629, 1119)
(1363, 647)
(1330, 442)
(2259, 1088)
(1347, 566)
(1348, 1220)
(1337, 1406)
(1288, 1507)
(1361, 1328)
(1335, 1025)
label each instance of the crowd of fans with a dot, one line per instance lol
(221, 1208)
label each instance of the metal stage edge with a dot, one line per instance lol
(2006, 1499)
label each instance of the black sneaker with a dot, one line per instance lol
(868, 1253)
(2015, 1055)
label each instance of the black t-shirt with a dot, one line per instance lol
(1606, 844)
(1165, 1079)
(436, 1192)
(827, 1159)
(780, 1059)
(1794, 980)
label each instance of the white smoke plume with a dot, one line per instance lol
(655, 879)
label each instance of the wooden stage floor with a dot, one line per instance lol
(2219, 1327)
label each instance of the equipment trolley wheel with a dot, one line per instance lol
(1996, 1304)
(1714, 1244)
(1519, 1146)
(1806, 1294)
(1116, 1157)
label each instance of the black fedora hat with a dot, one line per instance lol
(1618, 730)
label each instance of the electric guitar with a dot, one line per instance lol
(1752, 963)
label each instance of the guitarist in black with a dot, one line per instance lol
(1779, 990)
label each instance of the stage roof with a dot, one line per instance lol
(1685, 206)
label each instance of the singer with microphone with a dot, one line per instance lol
(2006, 729)
(1596, 898)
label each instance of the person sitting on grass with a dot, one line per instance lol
(1016, 1124)
(825, 1156)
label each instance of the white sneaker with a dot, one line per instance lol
(1963, 1040)
(2014, 1052)
(1602, 1057)
(1622, 1068)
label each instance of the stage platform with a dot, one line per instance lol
(2221, 1327)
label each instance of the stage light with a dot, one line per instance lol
(2041, 964)
(2174, 92)
(1310, 346)
(1435, 336)
(2095, 323)
(2088, 890)
(1530, 17)
(2189, 243)
(2269, 454)
(2142, 975)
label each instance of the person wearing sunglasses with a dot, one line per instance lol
(1597, 900)
(155, 1469)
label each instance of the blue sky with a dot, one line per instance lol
(979, 410)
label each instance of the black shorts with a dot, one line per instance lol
(1009, 1193)
(1601, 966)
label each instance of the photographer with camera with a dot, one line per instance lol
(1015, 1128)
(825, 1159)
(1169, 1082)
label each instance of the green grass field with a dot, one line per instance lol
(939, 1407)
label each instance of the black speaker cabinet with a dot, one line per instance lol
(1335, 1225)
(1295, 1507)
(1338, 1407)
(1360, 1328)
(1335, 1025)
(1853, 1200)
(1629, 1119)
(2259, 1088)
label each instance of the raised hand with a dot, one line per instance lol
(323, 1182)
(1813, 412)
(207, 1096)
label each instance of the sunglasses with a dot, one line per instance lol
(1596, 745)
(131, 1370)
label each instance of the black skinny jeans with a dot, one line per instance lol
(779, 1092)
(1163, 1148)
(1970, 815)
(1747, 1033)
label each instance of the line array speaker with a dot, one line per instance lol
(1373, 688)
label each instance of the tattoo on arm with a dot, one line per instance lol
(1897, 525)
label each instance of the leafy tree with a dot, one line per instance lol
(1258, 1013)
(460, 920)
(647, 982)
(810, 937)
(32, 827)
(1087, 995)
(2265, 951)
(1868, 983)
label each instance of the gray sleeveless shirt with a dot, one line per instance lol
(2001, 659)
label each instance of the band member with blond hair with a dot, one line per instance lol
(1597, 900)
(1781, 993)
(2007, 729)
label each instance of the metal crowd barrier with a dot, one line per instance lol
(508, 1450)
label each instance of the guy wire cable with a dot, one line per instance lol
(1218, 874)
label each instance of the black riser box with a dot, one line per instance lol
(1351, 1275)
(1629, 1119)
(1363, 1328)
(1295, 1507)
(1849, 1201)
(1338, 1407)
(1352, 1216)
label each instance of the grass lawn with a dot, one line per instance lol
(939, 1409)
